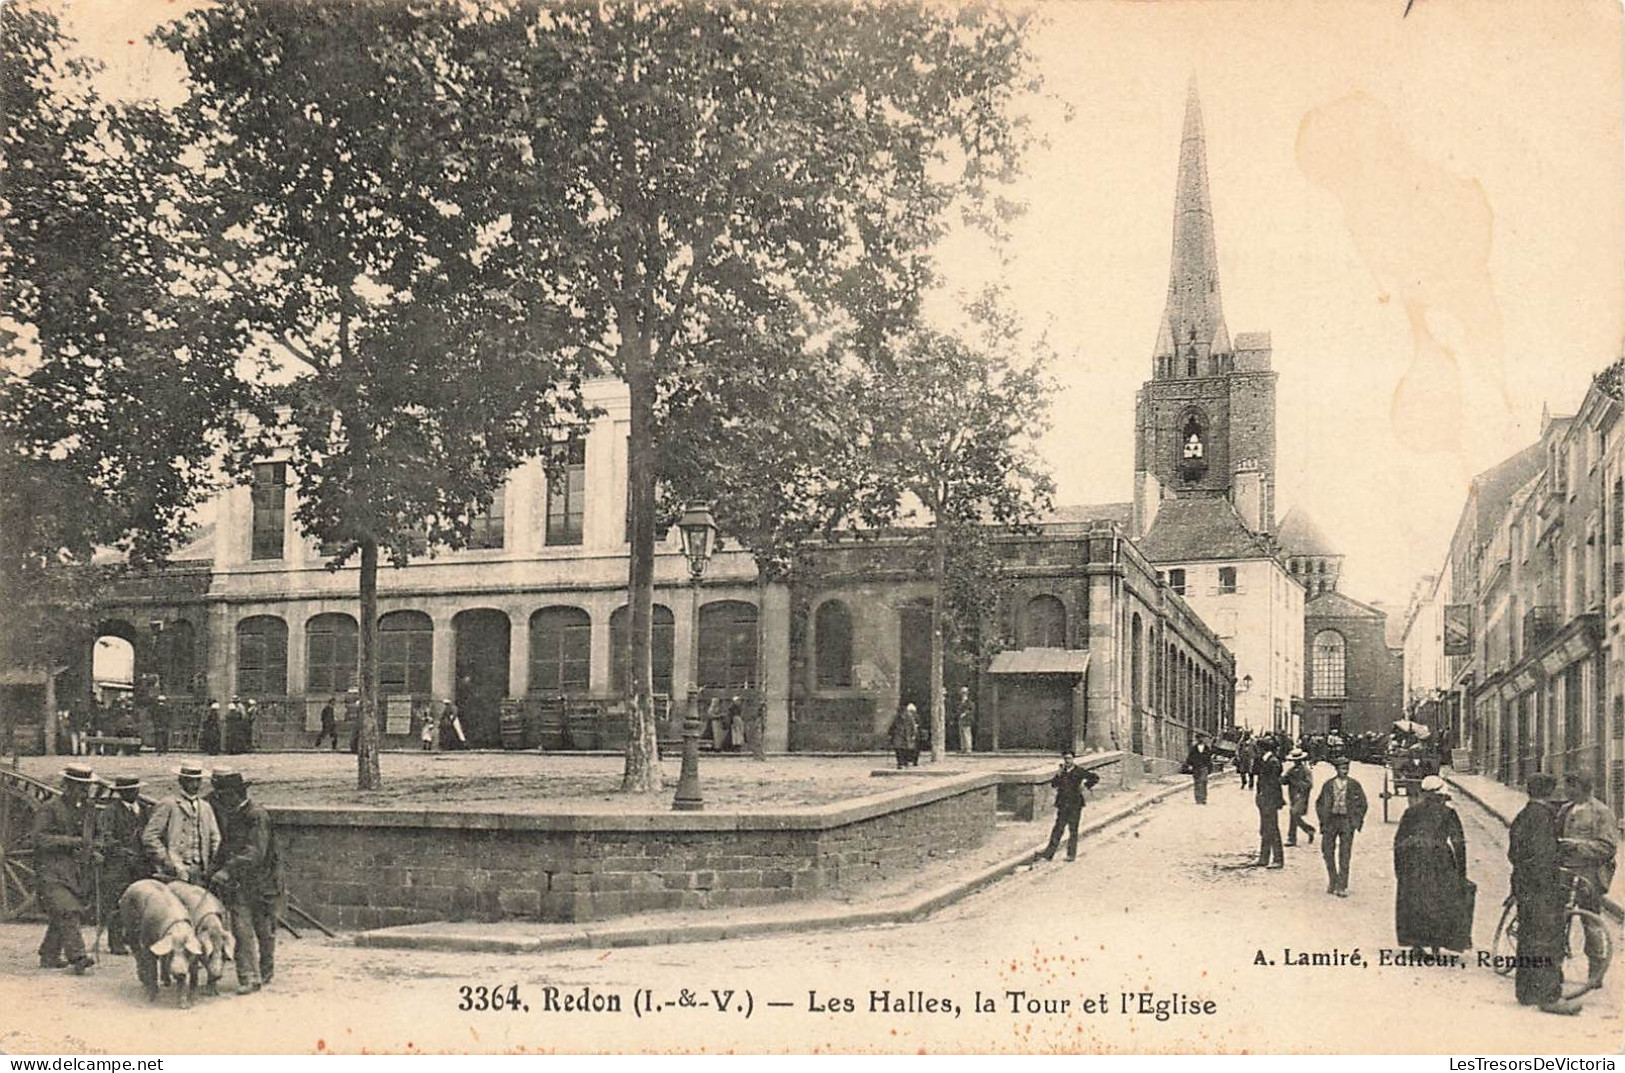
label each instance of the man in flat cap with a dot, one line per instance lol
(63, 858)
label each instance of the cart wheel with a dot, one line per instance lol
(20, 798)
(1505, 943)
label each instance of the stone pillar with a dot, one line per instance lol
(775, 660)
(599, 651)
(443, 676)
(1101, 726)
(222, 650)
(518, 653)
(295, 616)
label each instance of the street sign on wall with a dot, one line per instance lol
(1458, 629)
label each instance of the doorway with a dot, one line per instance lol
(1035, 711)
(482, 674)
(914, 659)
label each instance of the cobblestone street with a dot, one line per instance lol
(1162, 903)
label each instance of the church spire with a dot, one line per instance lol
(1193, 321)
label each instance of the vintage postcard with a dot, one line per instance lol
(838, 527)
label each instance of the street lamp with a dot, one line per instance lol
(699, 532)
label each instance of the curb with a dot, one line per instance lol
(625, 935)
(1612, 907)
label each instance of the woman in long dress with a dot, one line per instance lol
(1432, 904)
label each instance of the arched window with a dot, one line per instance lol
(560, 650)
(728, 645)
(663, 640)
(1329, 663)
(405, 652)
(180, 658)
(330, 653)
(832, 645)
(1044, 625)
(262, 656)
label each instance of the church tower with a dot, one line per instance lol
(1205, 421)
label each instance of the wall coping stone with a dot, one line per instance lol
(814, 818)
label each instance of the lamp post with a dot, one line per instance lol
(699, 532)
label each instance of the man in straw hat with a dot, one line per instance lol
(119, 828)
(249, 879)
(182, 836)
(63, 857)
(1299, 781)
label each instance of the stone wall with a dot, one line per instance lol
(365, 868)
(368, 868)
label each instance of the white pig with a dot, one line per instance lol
(160, 932)
(213, 931)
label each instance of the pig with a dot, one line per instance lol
(160, 932)
(209, 924)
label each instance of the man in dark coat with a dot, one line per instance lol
(1341, 808)
(162, 721)
(1299, 781)
(1433, 899)
(63, 857)
(1069, 783)
(1537, 884)
(1246, 757)
(905, 736)
(1199, 765)
(124, 858)
(248, 878)
(208, 738)
(1267, 797)
(330, 726)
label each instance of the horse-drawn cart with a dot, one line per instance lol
(1412, 755)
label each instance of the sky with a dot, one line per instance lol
(1424, 212)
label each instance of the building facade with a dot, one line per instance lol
(1538, 567)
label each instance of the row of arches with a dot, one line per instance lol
(1175, 684)
(559, 656)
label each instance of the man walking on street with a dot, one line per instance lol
(249, 879)
(1341, 808)
(967, 720)
(1588, 842)
(1246, 757)
(330, 726)
(1199, 765)
(1267, 797)
(182, 835)
(1537, 884)
(1299, 781)
(63, 858)
(1069, 783)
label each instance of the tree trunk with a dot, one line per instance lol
(939, 721)
(368, 775)
(642, 774)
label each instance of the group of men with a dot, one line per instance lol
(87, 851)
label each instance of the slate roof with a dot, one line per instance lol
(1194, 528)
(1079, 513)
(1299, 535)
(1041, 661)
(1497, 485)
(1336, 605)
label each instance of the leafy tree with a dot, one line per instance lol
(706, 168)
(364, 238)
(957, 416)
(115, 376)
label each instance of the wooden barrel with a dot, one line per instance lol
(514, 729)
(551, 733)
(583, 724)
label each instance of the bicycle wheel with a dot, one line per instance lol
(1576, 961)
(1505, 943)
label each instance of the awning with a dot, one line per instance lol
(1041, 661)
